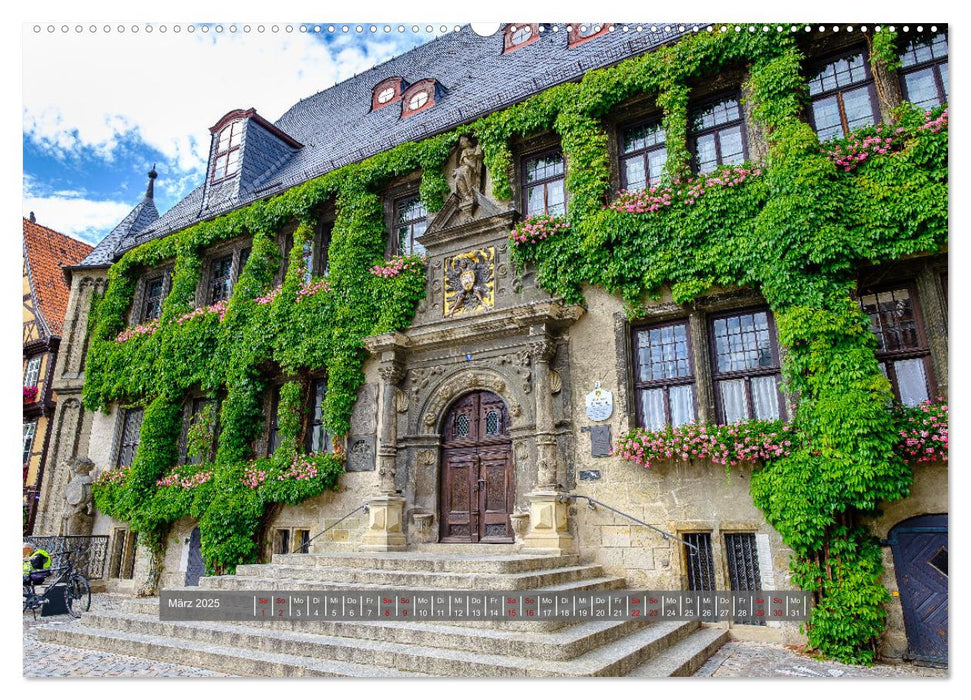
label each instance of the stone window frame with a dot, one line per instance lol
(319, 254)
(747, 374)
(524, 186)
(934, 64)
(513, 28)
(239, 250)
(716, 529)
(654, 118)
(693, 136)
(121, 560)
(667, 383)
(292, 534)
(819, 64)
(119, 443)
(136, 314)
(189, 411)
(923, 352)
(407, 196)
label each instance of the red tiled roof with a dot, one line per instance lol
(46, 252)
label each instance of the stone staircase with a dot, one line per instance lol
(557, 648)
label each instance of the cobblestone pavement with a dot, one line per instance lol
(43, 660)
(761, 660)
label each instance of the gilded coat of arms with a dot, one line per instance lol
(470, 282)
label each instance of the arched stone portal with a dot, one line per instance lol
(477, 491)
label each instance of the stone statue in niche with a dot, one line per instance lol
(470, 282)
(78, 517)
(467, 175)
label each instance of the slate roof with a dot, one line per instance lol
(337, 125)
(46, 251)
(139, 218)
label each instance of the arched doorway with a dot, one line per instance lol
(920, 555)
(477, 490)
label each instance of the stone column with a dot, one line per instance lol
(386, 508)
(548, 529)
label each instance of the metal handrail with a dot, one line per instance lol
(306, 544)
(566, 498)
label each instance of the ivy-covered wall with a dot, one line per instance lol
(796, 228)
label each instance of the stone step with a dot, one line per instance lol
(381, 578)
(685, 657)
(419, 561)
(226, 659)
(600, 583)
(617, 657)
(566, 643)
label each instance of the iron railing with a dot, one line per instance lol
(302, 549)
(91, 552)
(592, 504)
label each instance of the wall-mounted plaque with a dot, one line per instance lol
(470, 285)
(600, 441)
(600, 403)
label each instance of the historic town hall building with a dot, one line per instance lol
(619, 244)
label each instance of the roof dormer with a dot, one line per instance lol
(244, 151)
(518, 34)
(387, 92)
(420, 96)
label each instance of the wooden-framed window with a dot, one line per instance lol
(410, 221)
(32, 371)
(518, 35)
(664, 378)
(387, 92)
(418, 97)
(543, 184)
(902, 347)
(318, 439)
(700, 566)
(745, 366)
(923, 71)
(717, 134)
(192, 417)
(642, 155)
(131, 429)
(226, 158)
(273, 434)
(315, 256)
(30, 430)
(843, 96)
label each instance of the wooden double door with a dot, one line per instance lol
(477, 489)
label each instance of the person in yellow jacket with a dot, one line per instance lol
(37, 563)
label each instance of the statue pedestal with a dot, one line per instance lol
(548, 530)
(384, 532)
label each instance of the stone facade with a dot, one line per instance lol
(541, 357)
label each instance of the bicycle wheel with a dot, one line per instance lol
(77, 595)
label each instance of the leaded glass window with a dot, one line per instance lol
(643, 155)
(543, 191)
(746, 367)
(843, 96)
(664, 376)
(717, 135)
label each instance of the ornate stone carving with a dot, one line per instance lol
(400, 401)
(470, 379)
(541, 348)
(426, 458)
(467, 175)
(364, 421)
(419, 379)
(360, 454)
(391, 372)
(469, 282)
(556, 382)
(78, 515)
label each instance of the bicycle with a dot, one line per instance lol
(77, 590)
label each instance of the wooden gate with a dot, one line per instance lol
(477, 490)
(920, 554)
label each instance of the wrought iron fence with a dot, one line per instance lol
(93, 550)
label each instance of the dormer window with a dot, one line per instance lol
(387, 92)
(226, 162)
(581, 32)
(518, 35)
(418, 97)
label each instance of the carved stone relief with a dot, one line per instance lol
(360, 453)
(469, 282)
(364, 421)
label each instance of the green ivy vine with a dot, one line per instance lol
(796, 231)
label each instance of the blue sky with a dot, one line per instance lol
(100, 108)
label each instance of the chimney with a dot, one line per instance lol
(33, 219)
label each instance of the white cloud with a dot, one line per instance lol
(93, 90)
(86, 219)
